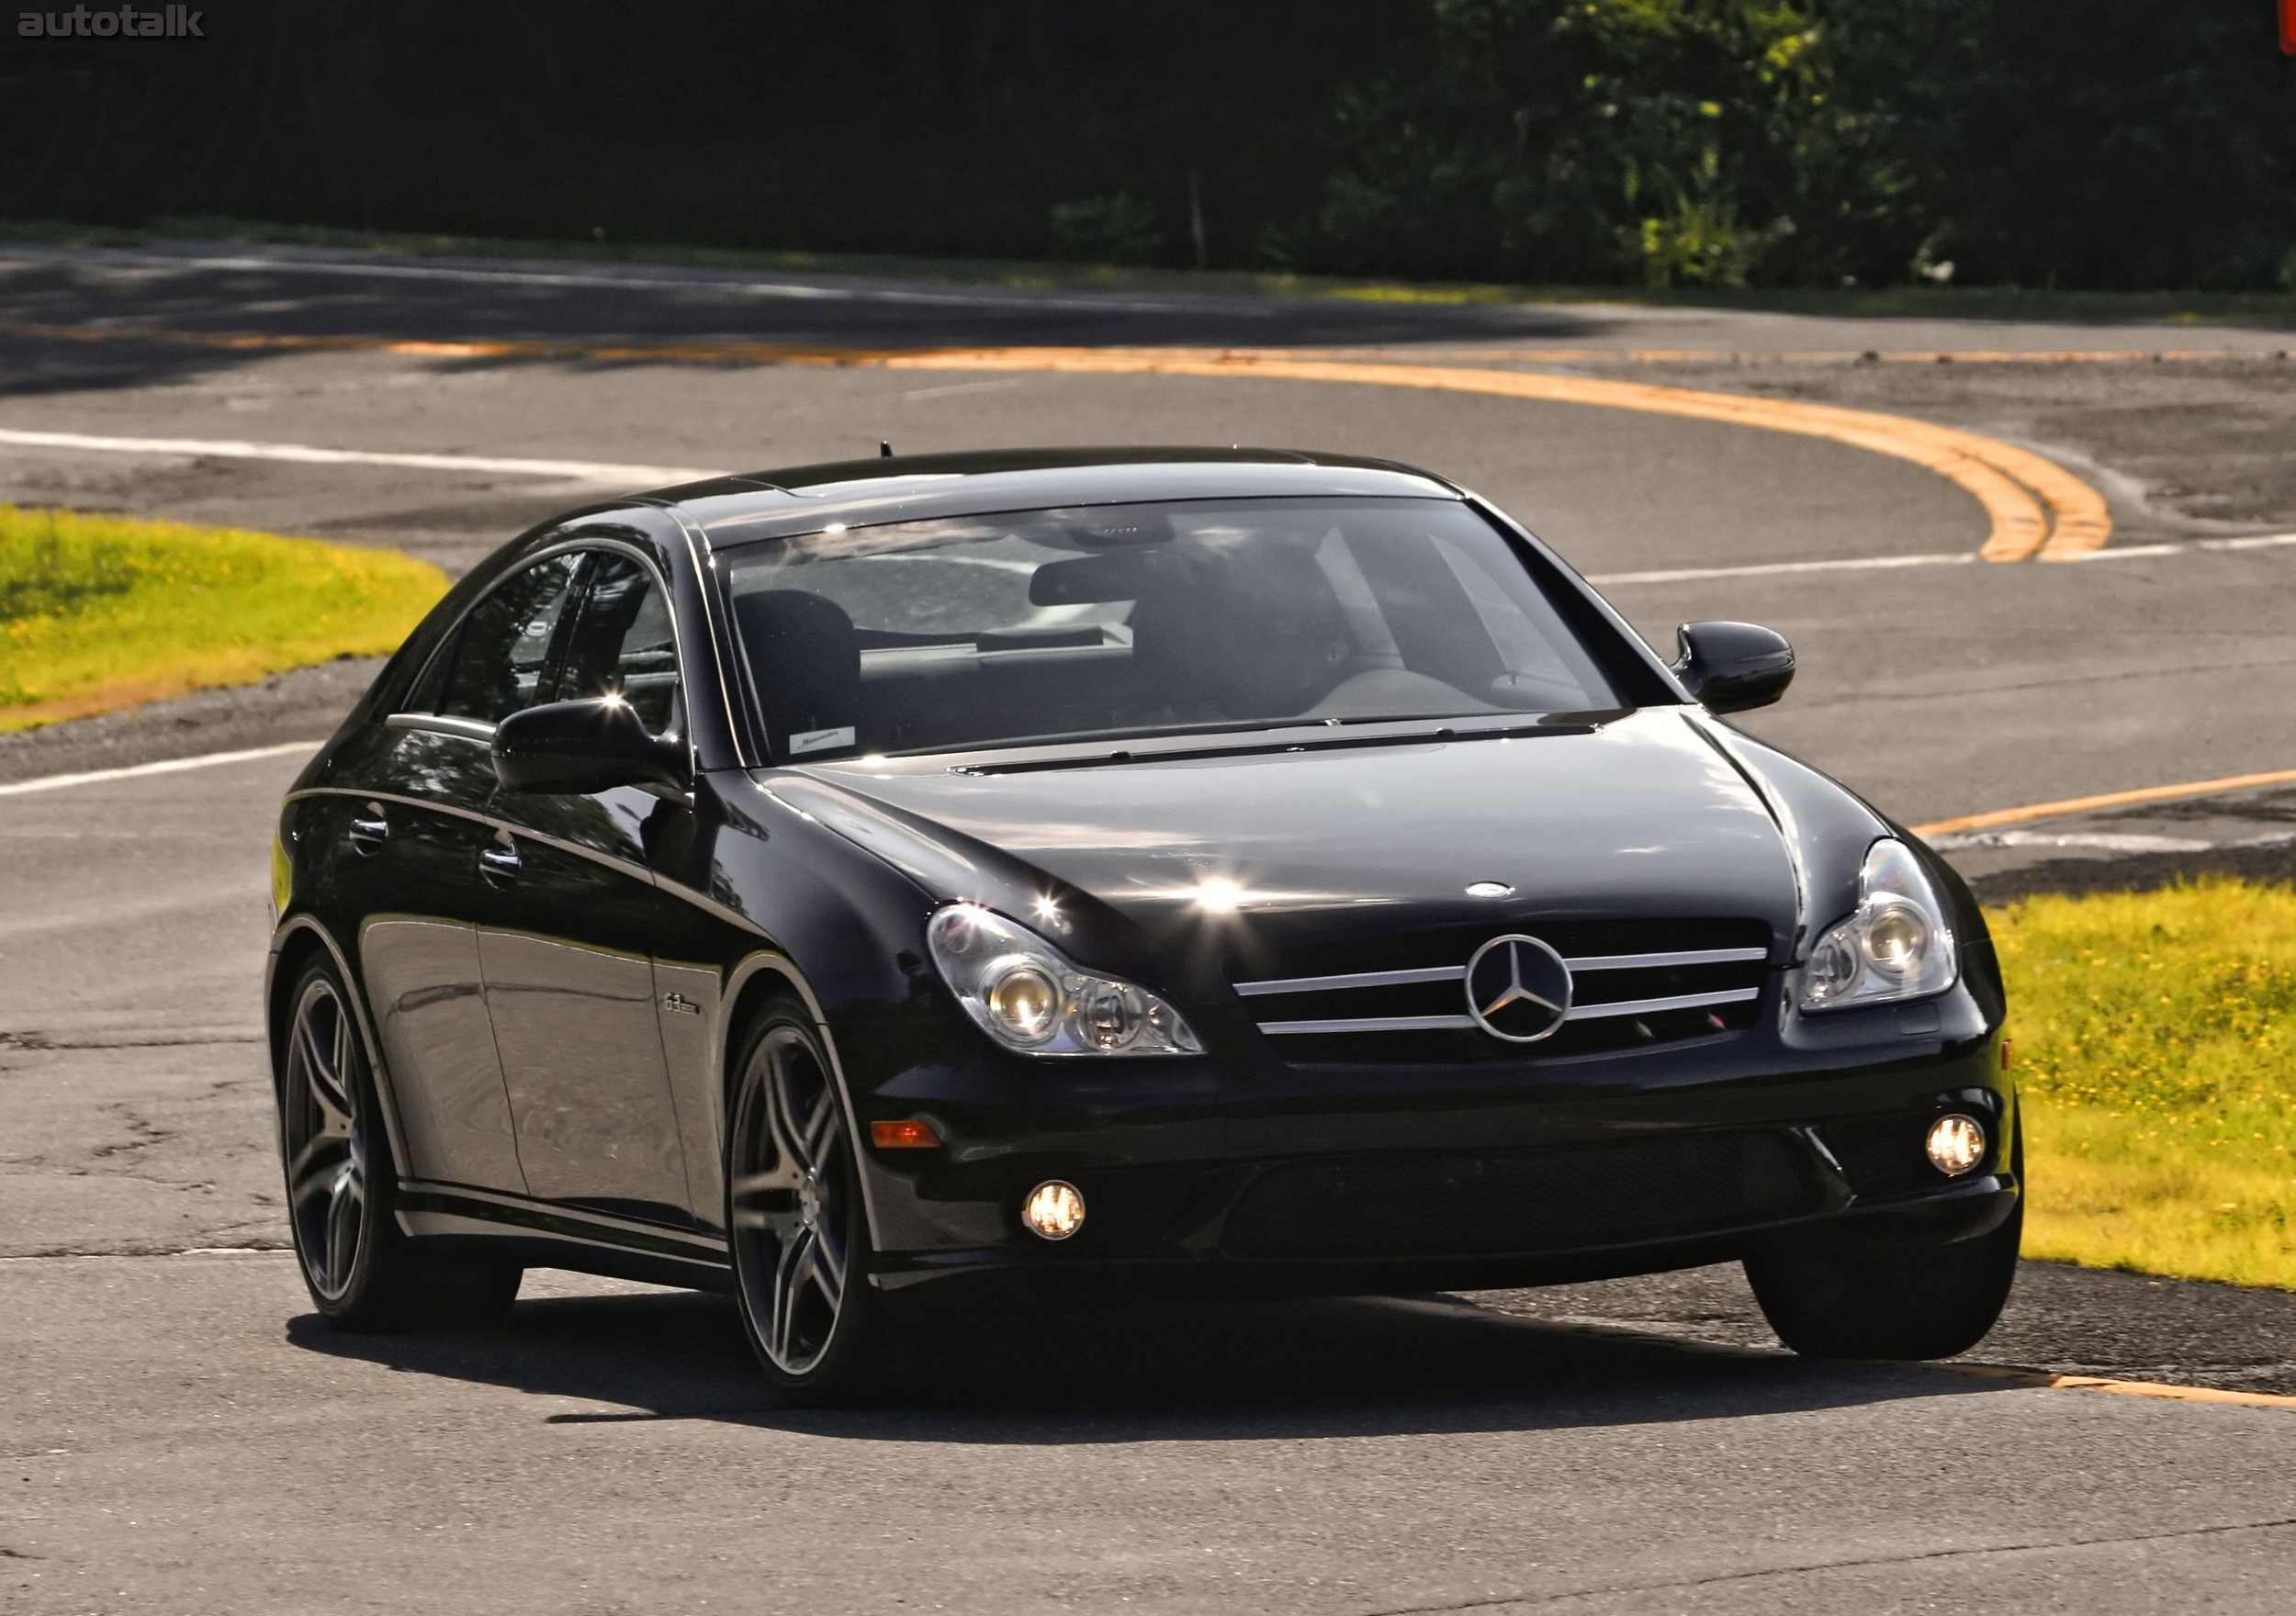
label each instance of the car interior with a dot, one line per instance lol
(958, 633)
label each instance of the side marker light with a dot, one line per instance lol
(1956, 1144)
(908, 1134)
(1053, 1210)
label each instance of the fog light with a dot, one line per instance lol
(1956, 1144)
(1054, 1210)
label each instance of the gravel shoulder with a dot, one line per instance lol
(304, 704)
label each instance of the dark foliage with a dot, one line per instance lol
(2083, 143)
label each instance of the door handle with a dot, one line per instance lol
(369, 828)
(498, 863)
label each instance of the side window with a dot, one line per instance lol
(622, 642)
(501, 653)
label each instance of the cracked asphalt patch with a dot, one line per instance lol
(136, 1147)
(135, 1110)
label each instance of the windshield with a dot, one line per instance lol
(1124, 618)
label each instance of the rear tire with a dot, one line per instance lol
(362, 1272)
(1832, 1295)
(795, 1223)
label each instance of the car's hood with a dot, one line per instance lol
(1640, 817)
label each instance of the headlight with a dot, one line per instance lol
(1896, 946)
(1029, 996)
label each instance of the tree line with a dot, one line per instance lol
(2075, 143)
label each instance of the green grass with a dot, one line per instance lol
(1911, 302)
(2155, 1051)
(97, 611)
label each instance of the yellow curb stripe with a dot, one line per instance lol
(1748, 357)
(2034, 1379)
(2019, 489)
(2121, 1388)
(2035, 507)
(2199, 788)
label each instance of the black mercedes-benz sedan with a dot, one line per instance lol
(989, 875)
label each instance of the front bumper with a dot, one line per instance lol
(1260, 1177)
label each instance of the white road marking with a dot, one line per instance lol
(2130, 553)
(148, 1256)
(53, 782)
(1097, 302)
(2138, 551)
(1002, 387)
(1853, 564)
(2260, 542)
(2102, 841)
(1865, 563)
(586, 471)
(610, 474)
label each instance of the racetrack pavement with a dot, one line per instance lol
(186, 1437)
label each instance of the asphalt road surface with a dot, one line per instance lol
(181, 1435)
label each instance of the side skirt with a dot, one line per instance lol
(546, 1234)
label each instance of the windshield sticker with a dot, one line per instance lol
(820, 740)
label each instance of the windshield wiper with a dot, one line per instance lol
(1075, 736)
(1575, 723)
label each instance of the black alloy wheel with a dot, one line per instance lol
(362, 1272)
(1832, 1295)
(324, 1139)
(795, 1220)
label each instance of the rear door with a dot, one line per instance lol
(568, 955)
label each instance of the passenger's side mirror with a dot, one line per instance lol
(578, 747)
(1733, 667)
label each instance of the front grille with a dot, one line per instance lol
(1633, 984)
(1521, 1201)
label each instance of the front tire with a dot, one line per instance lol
(1834, 1296)
(794, 1219)
(362, 1270)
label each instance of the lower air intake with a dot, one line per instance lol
(1520, 1201)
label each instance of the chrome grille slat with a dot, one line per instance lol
(1413, 1011)
(1467, 1023)
(1361, 979)
(1656, 962)
(1388, 978)
(1372, 1024)
(1653, 1007)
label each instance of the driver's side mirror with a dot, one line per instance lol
(1733, 667)
(578, 747)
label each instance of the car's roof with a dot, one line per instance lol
(907, 487)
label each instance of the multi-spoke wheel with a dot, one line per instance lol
(362, 1272)
(793, 1215)
(325, 1139)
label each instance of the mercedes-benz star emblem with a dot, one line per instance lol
(1518, 988)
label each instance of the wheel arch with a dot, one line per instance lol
(300, 940)
(761, 977)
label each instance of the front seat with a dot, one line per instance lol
(805, 663)
(1239, 630)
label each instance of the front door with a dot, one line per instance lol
(569, 977)
(414, 881)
